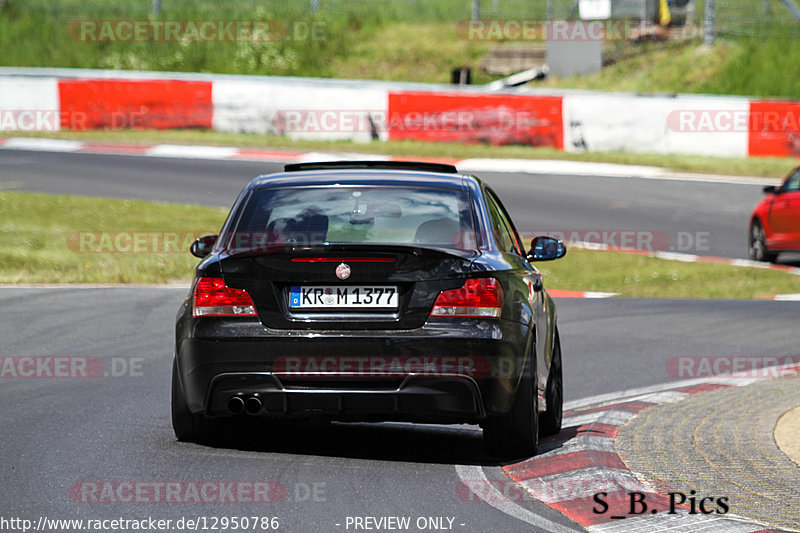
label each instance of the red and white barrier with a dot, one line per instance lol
(29, 104)
(302, 110)
(476, 117)
(90, 104)
(53, 99)
(684, 124)
(774, 128)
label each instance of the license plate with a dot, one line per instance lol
(349, 297)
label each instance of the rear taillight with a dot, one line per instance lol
(482, 297)
(213, 298)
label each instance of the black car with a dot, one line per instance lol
(370, 291)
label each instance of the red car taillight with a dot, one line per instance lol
(213, 298)
(482, 297)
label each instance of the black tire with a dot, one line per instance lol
(188, 427)
(550, 420)
(757, 244)
(516, 434)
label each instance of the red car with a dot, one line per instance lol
(775, 222)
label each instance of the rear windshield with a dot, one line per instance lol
(299, 216)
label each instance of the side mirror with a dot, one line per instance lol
(545, 248)
(202, 246)
(770, 189)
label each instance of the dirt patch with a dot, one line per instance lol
(787, 434)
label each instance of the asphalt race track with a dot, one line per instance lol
(59, 432)
(716, 214)
(60, 436)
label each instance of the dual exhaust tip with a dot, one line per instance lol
(240, 404)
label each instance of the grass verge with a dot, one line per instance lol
(56, 239)
(639, 276)
(364, 44)
(49, 239)
(730, 67)
(771, 167)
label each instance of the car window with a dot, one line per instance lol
(501, 225)
(355, 214)
(792, 183)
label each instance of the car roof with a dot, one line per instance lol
(364, 176)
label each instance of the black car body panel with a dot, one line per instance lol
(419, 274)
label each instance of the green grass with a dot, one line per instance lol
(771, 167)
(43, 236)
(402, 40)
(388, 10)
(412, 52)
(671, 67)
(42, 239)
(743, 71)
(730, 67)
(364, 43)
(639, 276)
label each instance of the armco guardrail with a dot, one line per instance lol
(71, 99)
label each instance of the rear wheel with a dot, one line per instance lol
(516, 433)
(187, 426)
(550, 420)
(758, 244)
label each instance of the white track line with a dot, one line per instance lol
(736, 379)
(469, 474)
(42, 145)
(522, 166)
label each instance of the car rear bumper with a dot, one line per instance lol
(416, 397)
(441, 372)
